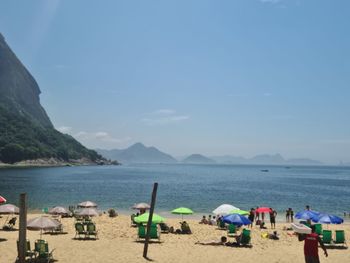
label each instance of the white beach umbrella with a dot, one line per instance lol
(87, 204)
(58, 210)
(42, 223)
(141, 206)
(224, 209)
(88, 212)
(9, 209)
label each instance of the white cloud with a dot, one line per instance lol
(165, 112)
(163, 116)
(64, 129)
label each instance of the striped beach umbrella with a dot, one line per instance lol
(2, 199)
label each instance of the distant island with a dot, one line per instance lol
(139, 153)
(27, 136)
(198, 159)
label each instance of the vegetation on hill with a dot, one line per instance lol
(21, 138)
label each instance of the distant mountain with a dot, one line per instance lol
(138, 153)
(198, 159)
(264, 159)
(26, 132)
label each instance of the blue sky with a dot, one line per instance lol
(240, 77)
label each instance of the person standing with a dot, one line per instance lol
(311, 242)
(287, 215)
(251, 216)
(273, 215)
(291, 212)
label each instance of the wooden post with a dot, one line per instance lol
(22, 236)
(153, 202)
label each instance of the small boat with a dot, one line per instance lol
(264, 170)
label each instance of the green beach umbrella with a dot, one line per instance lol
(239, 211)
(182, 211)
(156, 219)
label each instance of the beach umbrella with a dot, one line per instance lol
(87, 204)
(236, 219)
(240, 212)
(182, 211)
(42, 223)
(327, 219)
(156, 219)
(2, 200)
(87, 212)
(9, 209)
(306, 215)
(141, 206)
(263, 210)
(58, 210)
(224, 209)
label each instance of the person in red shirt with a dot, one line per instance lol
(311, 242)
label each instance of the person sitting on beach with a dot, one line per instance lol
(212, 221)
(209, 220)
(262, 225)
(274, 236)
(223, 242)
(311, 242)
(185, 228)
(204, 221)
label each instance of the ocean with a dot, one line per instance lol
(199, 187)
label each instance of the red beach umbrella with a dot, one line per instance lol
(264, 210)
(2, 199)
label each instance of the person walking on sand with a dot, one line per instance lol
(288, 215)
(311, 242)
(291, 214)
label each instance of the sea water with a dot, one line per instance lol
(199, 187)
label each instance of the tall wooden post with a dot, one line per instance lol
(22, 236)
(153, 202)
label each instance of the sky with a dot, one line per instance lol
(238, 77)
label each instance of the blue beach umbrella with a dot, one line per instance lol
(328, 219)
(236, 219)
(306, 215)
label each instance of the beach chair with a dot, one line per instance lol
(29, 253)
(231, 230)
(42, 248)
(141, 232)
(318, 229)
(340, 237)
(153, 233)
(245, 238)
(91, 230)
(79, 230)
(327, 237)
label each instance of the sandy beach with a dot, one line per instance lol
(117, 243)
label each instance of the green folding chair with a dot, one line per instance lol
(42, 248)
(245, 239)
(141, 232)
(327, 236)
(28, 253)
(91, 230)
(318, 229)
(231, 230)
(79, 230)
(340, 237)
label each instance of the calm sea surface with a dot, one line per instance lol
(200, 187)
